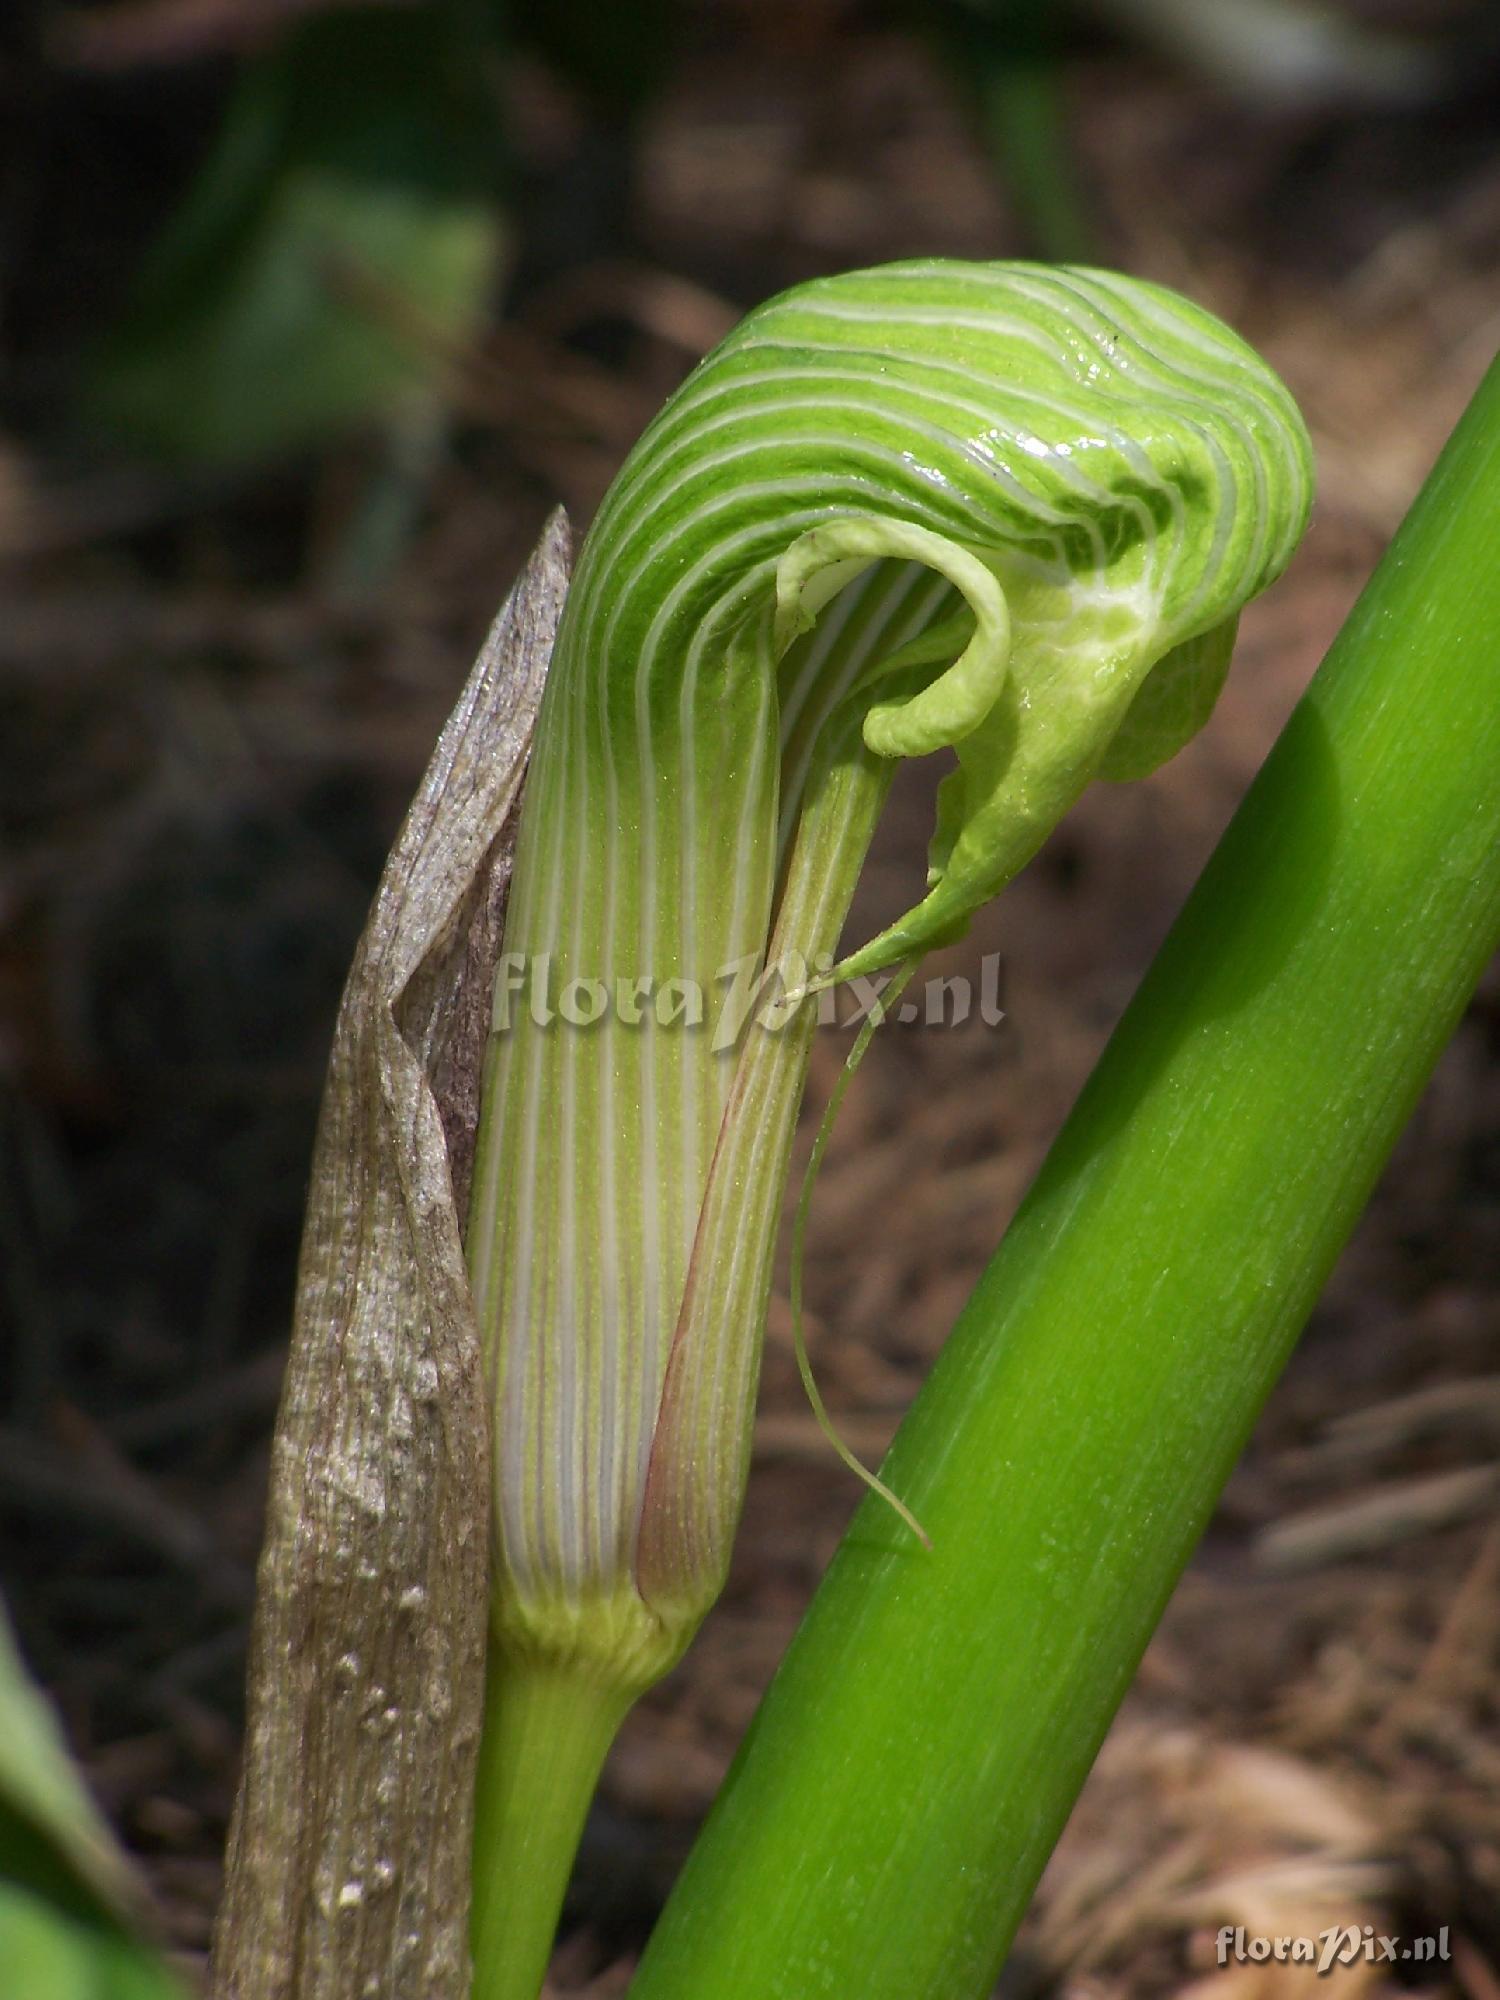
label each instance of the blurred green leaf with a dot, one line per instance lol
(339, 244)
(45, 1955)
(68, 1894)
(52, 1835)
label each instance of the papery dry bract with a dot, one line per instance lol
(348, 1866)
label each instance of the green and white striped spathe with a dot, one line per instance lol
(1004, 510)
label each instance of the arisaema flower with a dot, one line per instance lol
(1004, 513)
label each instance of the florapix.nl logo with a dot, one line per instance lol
(744, 991)
(1338, 1945)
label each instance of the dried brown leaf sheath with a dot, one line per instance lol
(348, 1863)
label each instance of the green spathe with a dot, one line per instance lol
(1006, 512)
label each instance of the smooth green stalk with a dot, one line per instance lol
(917, 1754)
(547, 1731)
(1001, 511)
(1009, 57)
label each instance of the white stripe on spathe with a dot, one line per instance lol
(1129, 473)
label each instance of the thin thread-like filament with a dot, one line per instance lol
(875, 1015)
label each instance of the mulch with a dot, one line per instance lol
(208, 734)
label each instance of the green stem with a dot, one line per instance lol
(917, 1755)
(547, 1731)
(1009, 59)
(1025, 119)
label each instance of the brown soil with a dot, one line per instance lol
(205, 748)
